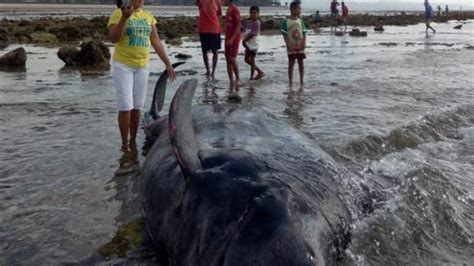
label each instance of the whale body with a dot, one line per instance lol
(233, 185)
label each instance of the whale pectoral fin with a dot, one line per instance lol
(159, 93)
(183, 140)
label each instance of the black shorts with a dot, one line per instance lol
(210, 41)
(253, 53)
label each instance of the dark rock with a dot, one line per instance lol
(175, 41)
(339, 33)
(265, 53)
(388, 43)
(4, 35)
(183, 56)
(357, 33)
(68, 54)
(92, 53)
(15, 59)
(24, 23)
(66, 33)
(379, 28)
(270, 24)
(458, 27)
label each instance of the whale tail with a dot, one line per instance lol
(159, 93)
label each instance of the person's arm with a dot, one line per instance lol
(304, 30)
(288, 48)
(249, 36)
(304, 41)
(284, 32)
(116, 31)
(219, 8)
(160, 50)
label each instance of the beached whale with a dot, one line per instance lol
(232, 185)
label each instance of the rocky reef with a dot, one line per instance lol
(60, 31)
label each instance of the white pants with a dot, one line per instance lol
(130, 86)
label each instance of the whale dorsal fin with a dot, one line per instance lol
(159, 93)
(181, 131)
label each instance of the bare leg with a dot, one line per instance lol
(230, 72)
(291, 64)
(214, 63)
(260, 73)
(134, 123)
(301, 69)
(206, 62)
(428, 26)
(249, 62)
(432, 28)
(235, 68)
(124, 126)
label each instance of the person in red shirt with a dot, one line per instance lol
(232, 41)
(345, 14)
(209, 32)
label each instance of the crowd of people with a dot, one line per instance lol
(133, 30)
(342, 20)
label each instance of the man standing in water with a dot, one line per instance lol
(209, 32)
(428, 16)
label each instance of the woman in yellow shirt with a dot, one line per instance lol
(133, 29)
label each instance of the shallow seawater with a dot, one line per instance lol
(395, 108)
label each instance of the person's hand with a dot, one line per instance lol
(127, 11)
(171, 73)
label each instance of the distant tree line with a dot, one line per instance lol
(160, 2)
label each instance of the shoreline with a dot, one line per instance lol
(58, 31)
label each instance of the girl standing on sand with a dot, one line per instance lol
(133, 30)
